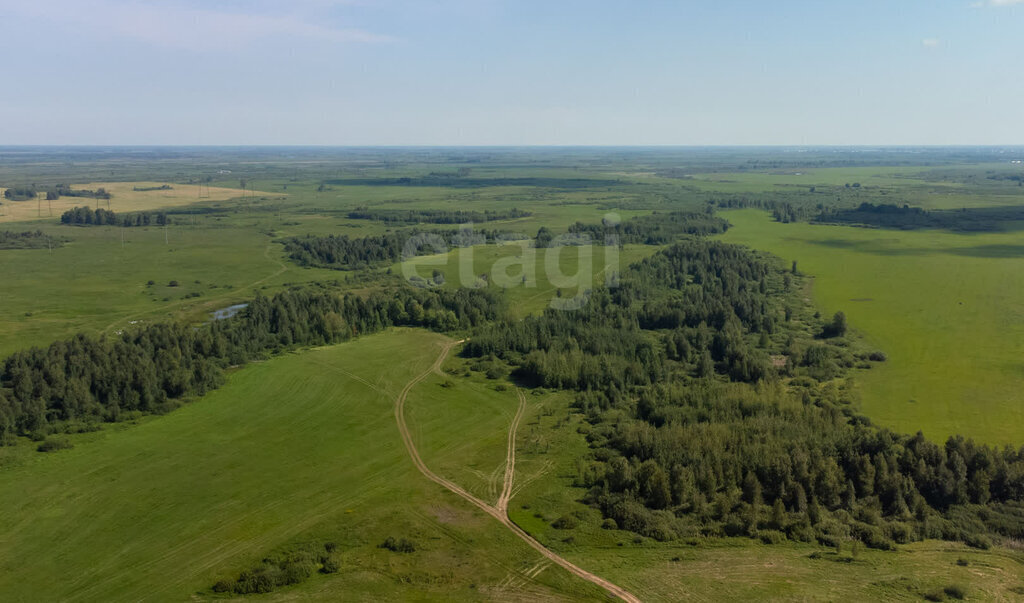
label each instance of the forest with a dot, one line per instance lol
(714, 409)
(347, 253)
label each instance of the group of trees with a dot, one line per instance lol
(86, 216)
(658, 228)
(710, 392)
(65, 190)
(435, 216)
(20, 193)
(87, 378)
(29, 239)
(348, 253)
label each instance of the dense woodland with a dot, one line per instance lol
(715, 407)
(658, 228)
(347, 253)
(86, 216)
(435, 216)
(87, 379)
(29, 239)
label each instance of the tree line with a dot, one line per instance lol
(435, 216)
(657, 228)
(86, 216)
(89, 378)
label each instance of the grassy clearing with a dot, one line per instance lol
(301, 449)
(945, 307)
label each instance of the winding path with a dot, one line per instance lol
(500, 510)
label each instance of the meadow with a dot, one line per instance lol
(302, 449)
(945, 308)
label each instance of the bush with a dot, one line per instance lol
(54, 444)
(329, 565)
(978, 541)
(222, 586)
(878, 356)
(935, 595)
(771, 536)
(399, 545)
(609, 524)
(565, 522)
(962, 562)
(955, 591)
(172, 284)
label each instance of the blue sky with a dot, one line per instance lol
(509, 72)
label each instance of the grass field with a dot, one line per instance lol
(97, 283)
(303, 449)
(946, 308)
(299, 449)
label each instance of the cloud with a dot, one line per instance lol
(996, 3)
(191, 28)
(931, 42)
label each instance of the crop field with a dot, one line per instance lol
(124, 198)
(946, 308)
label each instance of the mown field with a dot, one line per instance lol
(946, 308)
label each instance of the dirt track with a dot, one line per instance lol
(499, 511)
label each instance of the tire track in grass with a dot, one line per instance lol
(500, 511)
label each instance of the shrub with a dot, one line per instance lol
(222, 586)
(935, 595)
(771, 536)
(878, 356)
(978, 541)
(609, 524)
(955, 591)
(329, 565)
(565, 522)
(54, 444)
(962, 562)
(399, 545)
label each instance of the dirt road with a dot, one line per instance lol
(500, 510)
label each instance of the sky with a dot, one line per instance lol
(512, 72)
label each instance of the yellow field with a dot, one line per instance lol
(124, 199)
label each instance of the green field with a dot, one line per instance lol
(300, 449)
(946, 309)
(303, 449)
